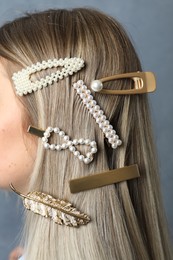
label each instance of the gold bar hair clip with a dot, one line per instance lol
(35, 131)
(144, 82)
(105, 178)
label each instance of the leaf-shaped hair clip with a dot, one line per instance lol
(60, 211)
(144, 82)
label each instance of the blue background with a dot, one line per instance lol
(150, 25)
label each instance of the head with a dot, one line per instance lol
(106, 49)
(47, 37)
(16, 149)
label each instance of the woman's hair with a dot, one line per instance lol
(128, 220)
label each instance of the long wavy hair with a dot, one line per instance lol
(128, 220)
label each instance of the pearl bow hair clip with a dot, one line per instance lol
(68, 144)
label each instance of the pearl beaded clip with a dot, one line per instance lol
(97, 113)
(24, 85)
(69, 144)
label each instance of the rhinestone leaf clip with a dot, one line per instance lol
(60, 211)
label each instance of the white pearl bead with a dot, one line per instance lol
(81, 157)
(111, 140)
(113, 132)
(80, 82)
(88, 105)
(44, 139)
(85, 101)
(56, 130)
(100, 112)
(46, 134)
(46, 145)
(97, 108)
(75, 142)
(108, 135)
(64, 146)
(82, 95)
(110, 127)
(87, 160)
(87, 141)
(83, 87)
(96, 85)
(105, 130)
(66, 137)
(72, 148)
(93, 102)
(52, 147)
(101, 125)
(69, 143)
(114, 146)
(90, 97)
(98, 120)
(119, 142)
(75, 86)
(91, 110)
(93, 144)
(61, 133)
(88, 92)
(95, 115)
(81, 141)
(103, 117)
(93, 150)
(106, 122)
(76, 153)
(58, 147)
(89, 155)
(79, 91)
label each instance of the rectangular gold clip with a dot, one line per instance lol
(104, 178)
(35, 131)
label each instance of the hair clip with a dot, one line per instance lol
(97, 113)
(60, 211)
(104, 178)
(24, 85)
(144, 82)
(68, 144)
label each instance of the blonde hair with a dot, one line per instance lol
(128, 220)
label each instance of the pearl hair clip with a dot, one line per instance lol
(97, 113)
(144, 82)
(68, 144)
(24, 85)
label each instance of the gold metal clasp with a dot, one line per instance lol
(144, 82)
(105, 178)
